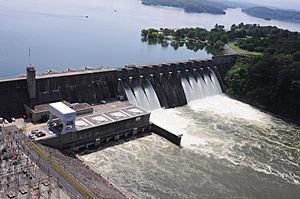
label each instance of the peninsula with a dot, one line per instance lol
(277, 14)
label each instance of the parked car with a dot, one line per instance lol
(31, 137)
(13, 119)
(37, 133)
(102, 102)
(40, 134)
(33, 132)
(52, 124)
(9, 120)
(5, 121)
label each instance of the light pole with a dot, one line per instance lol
(2, 121)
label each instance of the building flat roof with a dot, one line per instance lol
(104, 114)
(44, 107)
(109, 113)
(62, 108)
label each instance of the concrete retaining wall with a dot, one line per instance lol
(176, 139)
(224, 63)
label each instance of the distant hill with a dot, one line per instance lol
(200, 6)
(196, 6)
(219, 7)
(268, 13)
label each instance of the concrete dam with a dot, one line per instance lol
(99, 98)
(169, 85)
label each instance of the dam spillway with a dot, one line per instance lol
(169, 85)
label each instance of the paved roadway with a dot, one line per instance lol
(230, 51)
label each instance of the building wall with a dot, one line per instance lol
(102, 133)
(34, 116)
(13, 96)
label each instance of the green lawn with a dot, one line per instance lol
(239, 50)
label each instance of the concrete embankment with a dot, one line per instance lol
(95, 182)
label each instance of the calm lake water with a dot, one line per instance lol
(60, 36)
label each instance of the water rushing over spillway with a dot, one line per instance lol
(230, 150)
(196, 88)
(140, 91)
(143, 97)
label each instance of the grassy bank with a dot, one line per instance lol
(234, 46)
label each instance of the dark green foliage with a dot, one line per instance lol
(268, 39)
(270, 81)
(268, 13)
(193, 38)
(273, 80)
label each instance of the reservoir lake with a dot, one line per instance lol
(97, 33)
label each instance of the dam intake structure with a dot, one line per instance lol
(169, 85)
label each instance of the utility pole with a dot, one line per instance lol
(29, 61)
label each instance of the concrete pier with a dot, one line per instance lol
(171, 136)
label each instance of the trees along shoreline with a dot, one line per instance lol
(269, 78)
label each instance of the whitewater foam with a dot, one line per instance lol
(170, 120)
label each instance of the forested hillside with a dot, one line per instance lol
(272, 80)
(268, 13)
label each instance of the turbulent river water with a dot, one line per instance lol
(230, 150)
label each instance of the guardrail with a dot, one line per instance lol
(63, 173)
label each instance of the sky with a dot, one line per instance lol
(287, 4)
